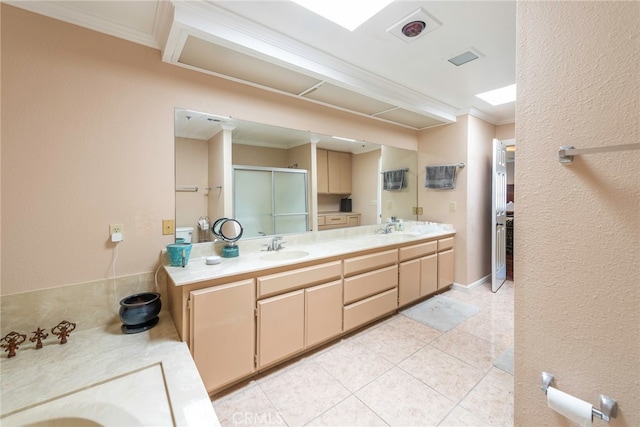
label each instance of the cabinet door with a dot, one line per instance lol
(353, 220)
(333, 170)
(323, 310)
(322, 171)
(409, 282)
(445, 268)
(339, 171)
(280, 327)
(429, 274)
(222, 339)
(345, 173)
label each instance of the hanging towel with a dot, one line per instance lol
(393, 180)
(441, 177)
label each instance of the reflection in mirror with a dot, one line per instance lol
(270, 200)
(231, 230)
(210, 150)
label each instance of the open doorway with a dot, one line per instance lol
(499, 210)
(511, 188)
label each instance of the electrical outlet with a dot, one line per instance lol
(168, 227)
(115, 228)
(452, 206)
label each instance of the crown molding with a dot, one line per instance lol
(61, 12)
(247, 37)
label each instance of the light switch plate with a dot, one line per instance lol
(168, 227)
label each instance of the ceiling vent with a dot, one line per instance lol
(414, 26)
(464, 57)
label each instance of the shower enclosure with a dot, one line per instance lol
(270, 200)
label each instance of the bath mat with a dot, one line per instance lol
(441, 313)
(505, 361)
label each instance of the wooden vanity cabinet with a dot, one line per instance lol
(222, 333)
(297, 309)
(446, 268)
(280, 327)
(240, 325)
(323, 311)
(370, 287)
(418, 272)
(327, 221)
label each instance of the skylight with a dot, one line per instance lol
(500, 96)
(348, 14)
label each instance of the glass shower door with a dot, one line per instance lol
(253, 201)
(270, 200)
(290, 201)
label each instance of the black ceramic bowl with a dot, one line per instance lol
(139, 312)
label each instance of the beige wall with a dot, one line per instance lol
(507, 131)
(249, 155)
(398, 203)
(445, 145)
(577, 255)
(479, 184)
(364, 170)
(192, 156)
(87, 130)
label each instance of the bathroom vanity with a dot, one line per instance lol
(250, 313)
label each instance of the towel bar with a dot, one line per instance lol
(193, 188)
(403, 169)
(460, 165)
(608, 406)
(566, 152)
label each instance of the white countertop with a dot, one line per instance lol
(95, 356)
(319, 245)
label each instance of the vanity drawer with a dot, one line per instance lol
(371, 283)
(444, 244)
(361, 312)
(299, 278)
(365, 263)
(335, 219)
(420, 250)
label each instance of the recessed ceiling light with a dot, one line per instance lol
(413, 28)
(500, 96)
(348, 14)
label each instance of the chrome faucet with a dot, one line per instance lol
(276, 244)
(387, 228)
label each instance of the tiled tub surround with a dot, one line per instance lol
(100, 355)
(96, 353)
(89, 305)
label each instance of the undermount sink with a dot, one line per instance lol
(283, 255)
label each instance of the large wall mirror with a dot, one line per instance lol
(275, 180)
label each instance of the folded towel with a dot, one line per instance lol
(441, 177)
(394, 180)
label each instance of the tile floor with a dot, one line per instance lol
(396, 372)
